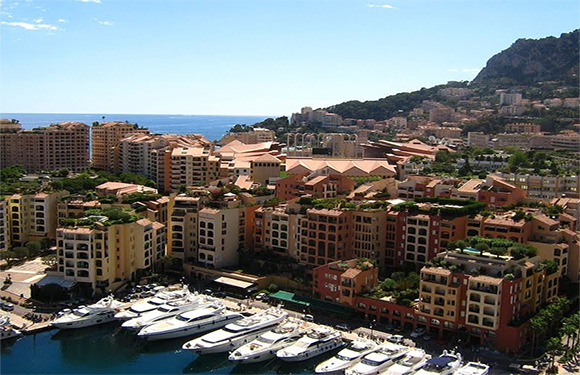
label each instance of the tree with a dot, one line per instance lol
(497, 251)
(273, 288)
(21, 252)
(50, 260)
(481, 247)
(518, 160)
(553, 346)
(33, 248)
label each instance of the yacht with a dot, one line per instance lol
(411, 362)
(473, 368)
(153, 303)
(347, 356)
(190, 323)
(7, 331)
(315, 342)
(169, 310)
(267, 344)
(447, 363)
(100, 312)
(237, 333)
(378, 360)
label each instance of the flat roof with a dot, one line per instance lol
(233, 282)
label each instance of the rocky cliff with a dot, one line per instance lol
(528, 61)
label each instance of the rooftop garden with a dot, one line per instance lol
(401, 288)
(446, 207)
(490, 247)
(106, 216)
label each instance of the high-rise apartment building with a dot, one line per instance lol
(33, 216)
(5, 240)
(58, 146)
(193, 166)
(105, 137)
(105, 256)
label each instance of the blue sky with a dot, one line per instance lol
(264, 57)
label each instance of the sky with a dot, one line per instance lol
(262, 57)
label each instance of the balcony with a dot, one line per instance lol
(493, 289)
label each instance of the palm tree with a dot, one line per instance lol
(553, 346)
(539, 327)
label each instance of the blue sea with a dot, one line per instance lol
(212, 127)
(109, 349)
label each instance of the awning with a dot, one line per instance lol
(58, 280)
(290, 297)
(233, 282)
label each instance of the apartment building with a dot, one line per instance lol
(314, 184)
(341, 281)
(150, 155)
(275, 229)
(425, 186)
(5, 238)
(255, 135)
(193, 166)
(493, 191)
(478, 139)
(544, 187)
(522, 128)
(510, 98)
(265, 167)
(368, 235)
(106, 256)
(182, 228)
(57, 146)
(490, 299)
(325, 236)
(105, 136)
(33, 216)
(221, 235)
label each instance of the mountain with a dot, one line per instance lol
(525, 63)
(529, 61)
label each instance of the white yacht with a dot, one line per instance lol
(378, 360)
(267, 344)
(315, 342)
(168, 310)
(447, 363)
(7, 331)
(84, 316)
(411, 362)
(153, 303)
(190, 323)
(347, 356)
(473, 368)
(237, 333)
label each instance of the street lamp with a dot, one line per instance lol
(372, 324)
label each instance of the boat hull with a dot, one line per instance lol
(185, 331)
(224, 346)
(323, 348)
(81, 323)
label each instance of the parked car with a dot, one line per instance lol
(426, 337)
(308, 317)
(418, 333)
(6, 306)
(396, 339)
(219, 294)
(208, 292)
(260, 296)
(342, 327)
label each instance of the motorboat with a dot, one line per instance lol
(237, 333)
(447, 363)
(314, 343)
(100, 312)
(267, 344)
(378, 360)
(347, 356)
(169, 310)
(411, 362)
(152, 303)
(473, 368)
(190, 323)
(7, 330)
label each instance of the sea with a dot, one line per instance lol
(110, 349)
(212, 127)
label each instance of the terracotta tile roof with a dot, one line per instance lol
(351, 273)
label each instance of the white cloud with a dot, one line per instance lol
(31, 26)
(39, 20)
(62, 20)
(90, 1)
(104, 23)
(384, 6)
